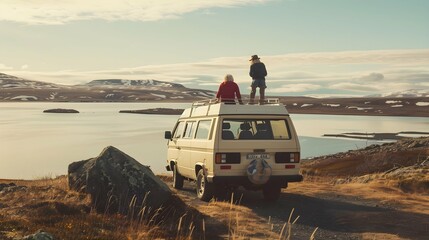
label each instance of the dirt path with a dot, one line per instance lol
(346, 211)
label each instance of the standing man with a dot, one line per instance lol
(258, 72)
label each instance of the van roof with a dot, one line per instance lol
(212, 108)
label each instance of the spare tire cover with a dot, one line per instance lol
(258, 171)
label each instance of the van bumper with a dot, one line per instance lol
(244, 181)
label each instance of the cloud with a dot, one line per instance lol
(373, 77)
(423, 84)
(64, 11)
(372, 88)
(303, 87)
(400, 57)
(364, 73)
(25, 66)
(4, 67)
(354, 87)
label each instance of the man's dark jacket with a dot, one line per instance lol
(258, 71)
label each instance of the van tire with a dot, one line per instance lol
(205, 189)
(271, 193)
(177, 178)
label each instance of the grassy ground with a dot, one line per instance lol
(47, 204)
(376, 193)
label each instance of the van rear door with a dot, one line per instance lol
(265, 137)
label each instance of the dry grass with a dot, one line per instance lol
(376, 192)
(47, 204)
(244, 223)
(359, 164)
(394, 165)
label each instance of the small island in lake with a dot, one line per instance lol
(60, 110)
(161, 111)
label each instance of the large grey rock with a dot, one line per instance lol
(118, 183)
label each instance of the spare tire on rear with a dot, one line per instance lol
(258, 171)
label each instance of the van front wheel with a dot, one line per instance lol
(204, 188)
(177, 178)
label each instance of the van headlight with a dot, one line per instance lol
(287, 157)
(227, 158)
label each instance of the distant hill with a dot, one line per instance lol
(102, 90)
(13, 89)
(127, 83)
(409, 93)
(9, 81)
(406, 93)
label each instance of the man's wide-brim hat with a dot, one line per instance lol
(254, 57)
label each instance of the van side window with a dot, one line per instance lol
(203, 129)
(189, 130)
(179, 130)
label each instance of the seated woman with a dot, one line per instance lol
(228, 90)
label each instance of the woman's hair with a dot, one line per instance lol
(228, 78)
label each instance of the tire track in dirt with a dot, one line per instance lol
(336, 215)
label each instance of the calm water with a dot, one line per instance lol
(35, 144)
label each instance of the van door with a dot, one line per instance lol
(185, 147)
(203, 144)
(174, 144)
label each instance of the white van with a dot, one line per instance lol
(222, 145)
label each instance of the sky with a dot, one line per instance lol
(310, 47)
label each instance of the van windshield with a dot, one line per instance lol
(255, 129)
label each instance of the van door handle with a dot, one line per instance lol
(178, 148)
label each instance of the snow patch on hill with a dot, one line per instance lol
(135, 83)
(406, 93)
(159, 95)
(331, 104)
(24, 98)
(422, 104)
(392, 101)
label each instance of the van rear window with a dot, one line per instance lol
(255, 129)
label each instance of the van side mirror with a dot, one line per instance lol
(167, 135)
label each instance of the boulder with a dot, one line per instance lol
(118, 183)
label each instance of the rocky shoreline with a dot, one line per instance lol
(405, 162)
(379, 136)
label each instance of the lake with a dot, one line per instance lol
(34, 144)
